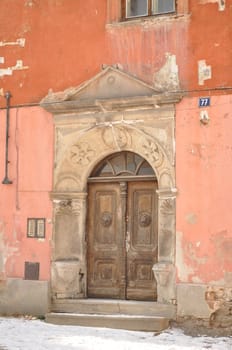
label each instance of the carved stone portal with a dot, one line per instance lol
(112, 112)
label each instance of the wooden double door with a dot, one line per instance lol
(122, 240)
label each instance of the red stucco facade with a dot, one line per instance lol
(64, 43)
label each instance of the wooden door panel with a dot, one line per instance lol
(116, 269)
(141, 240)
(142, 224)
(104, 241)
(105, 219)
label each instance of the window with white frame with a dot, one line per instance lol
(140, 8)
(36, 227)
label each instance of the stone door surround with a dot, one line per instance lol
(110, 113)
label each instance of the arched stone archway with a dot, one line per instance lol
(111, 113)
(80, 157)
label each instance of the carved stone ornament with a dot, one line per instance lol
(111, 79)
(67, 207)
(152, 152)
(63, 207)
(116, 136)
(81, 154)
(112, 112)
(76, 206)
(167, 207)
(66, 278)
(144, 219)
(106, 219)
(162, 272)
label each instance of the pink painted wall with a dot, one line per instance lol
(64, 48)
(203, 171)
(30, 169)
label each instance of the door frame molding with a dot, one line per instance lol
(87, 131)
(73, 204)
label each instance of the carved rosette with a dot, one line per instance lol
(152, 152)
(81, 154)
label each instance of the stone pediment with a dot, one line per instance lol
(108, 90)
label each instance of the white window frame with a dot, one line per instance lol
(151, 4)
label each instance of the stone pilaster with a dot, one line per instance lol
(68, 274)
(164, 271)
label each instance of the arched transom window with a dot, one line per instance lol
(123, 165)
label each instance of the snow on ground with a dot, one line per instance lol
(20, 333)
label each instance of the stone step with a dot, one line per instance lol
(116, 321)
(109, 306)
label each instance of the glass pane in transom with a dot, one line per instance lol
(123, 164)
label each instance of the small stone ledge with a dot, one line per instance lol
(149, 21)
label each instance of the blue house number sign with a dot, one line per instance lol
(204, 101)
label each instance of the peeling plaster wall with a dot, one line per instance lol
(38, 30)
(203, 178)
(204, 228)
(39, 33)
(167, 78)
(204, 72)
(155, 51)
(9, 70)
(210, 303)
(19, 63)
(30, 163)
(221, 3)
(46, 45)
